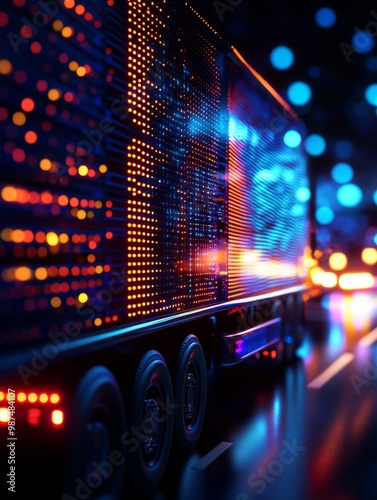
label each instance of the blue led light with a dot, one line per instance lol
(315, 145)
(325, 17)
(375, 197)
(303, 194)
(237, 130)
(282, 57)
(349, 195)
(342, 172)
(343, 149)
(292, 138)
(299, 93)
(324, 215)
(298, 210)
(362, 42)
(375, 239)
(371, 94)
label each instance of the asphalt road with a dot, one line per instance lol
(306, 431)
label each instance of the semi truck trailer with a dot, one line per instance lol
(154, 225)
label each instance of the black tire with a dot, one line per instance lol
(96, 461)
(152, 421)
(190, 393)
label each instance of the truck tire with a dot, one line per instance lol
(190, 393)
(96, 421)
(152, 421)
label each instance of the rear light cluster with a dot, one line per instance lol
(35, 408)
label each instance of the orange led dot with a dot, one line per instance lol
(5, 66)
(83, 297)
(63, 238)
(57, 417)
(54, 398)
(83, 170)
(81, 71)
(9, 193)
(17, 236)
(56, 302)
(103, 169)
(23, 273)
(52, 239)
(54, 94)
(32, 397)
(81, 214)
(43, 398)
(57, 25)
(63, 200)
(41, 273)
(73, 65)
(31, 137)
(27, 104)
(98, 321)
(21, 397)
(46, 198)
(45, 164)
(2, 396)
(80, 9)
(67, 32)
(69, 4)
(19, 118)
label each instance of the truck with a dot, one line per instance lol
(154, 202)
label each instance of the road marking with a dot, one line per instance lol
(212, 455)
(369, 339)
(331, 371)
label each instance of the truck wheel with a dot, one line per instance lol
(96, 421)
(190, 393)
(152, 421)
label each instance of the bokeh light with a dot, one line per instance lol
(292, 138)
(349, 195)
(324, 215)
(281, 57)
(342, 172)
(325, 17)
(371, 94)
(299, 93)
(362, 42)
(315, 145)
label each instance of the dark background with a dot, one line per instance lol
(338, 75)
